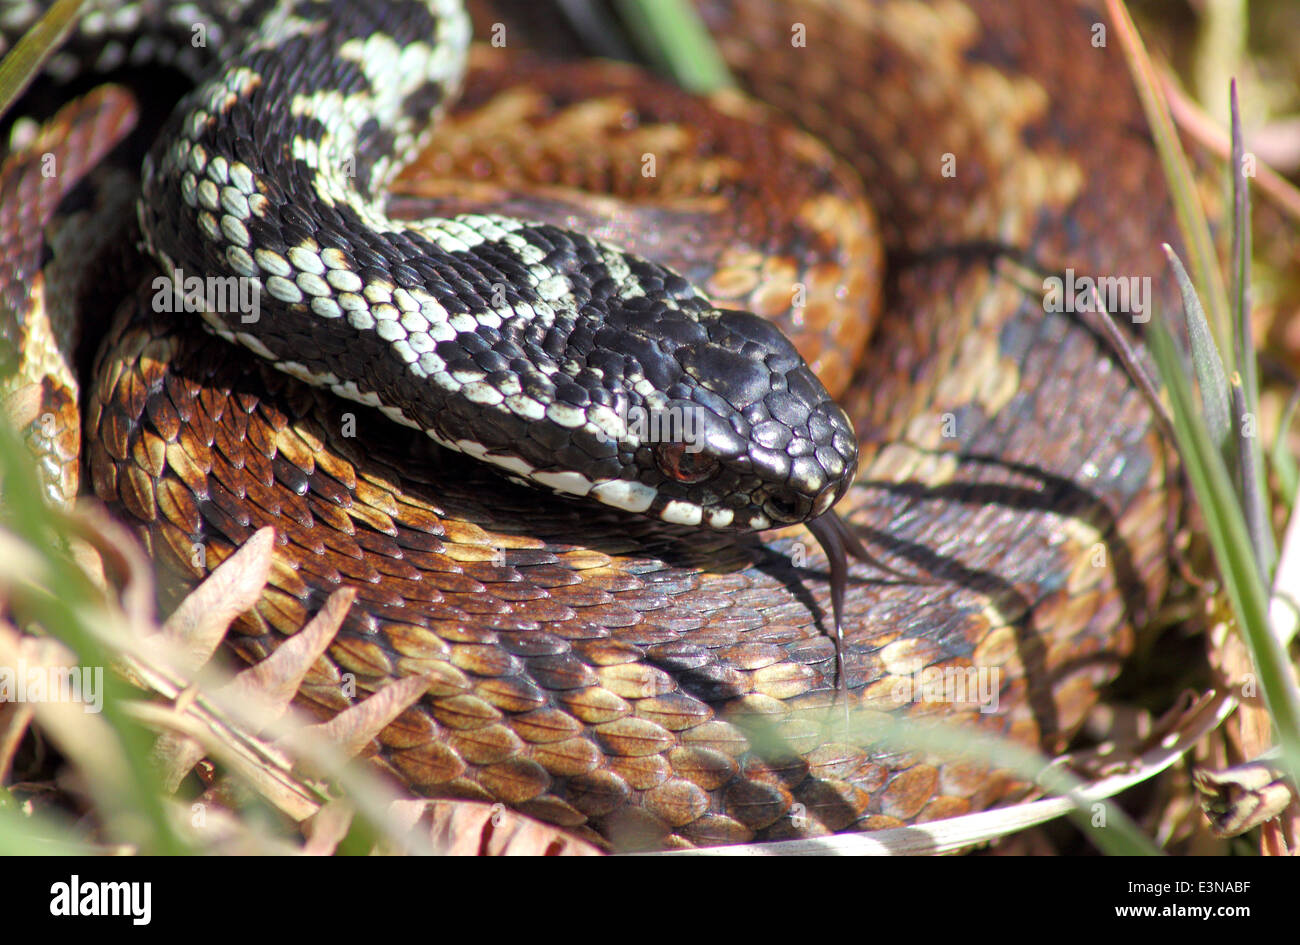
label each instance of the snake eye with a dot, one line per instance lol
(680, 465)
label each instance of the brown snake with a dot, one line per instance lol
(605, 673)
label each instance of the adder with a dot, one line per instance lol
(625, 635)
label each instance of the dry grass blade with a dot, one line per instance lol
(1178, 175)
(327, 828)
(353, 729)
(74, 726)
(260, 694)
(1243, 797)
(268, 687)
(201, 621)
(219, 832)
(116, 554)
(467, 828)
(1210, 134)
(14, 716)
(1229, 801)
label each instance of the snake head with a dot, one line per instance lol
(738, 432)
(680, 412)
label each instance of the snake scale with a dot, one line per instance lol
(619, 667)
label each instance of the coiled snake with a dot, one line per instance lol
(603, 666)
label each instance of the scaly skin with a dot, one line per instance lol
(627, 680)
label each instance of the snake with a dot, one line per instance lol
(627, 633)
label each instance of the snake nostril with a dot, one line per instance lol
(785, 506)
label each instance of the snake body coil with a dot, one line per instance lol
(594, 668)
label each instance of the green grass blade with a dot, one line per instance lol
(39, 835)
(30, 53)
(1254, 485)
(1230, 541)
(66, 608)
(671, 34)
(1280, 457)
(1210, 375)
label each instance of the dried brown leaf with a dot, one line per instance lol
(202, 619)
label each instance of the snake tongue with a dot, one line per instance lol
(839, 543)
